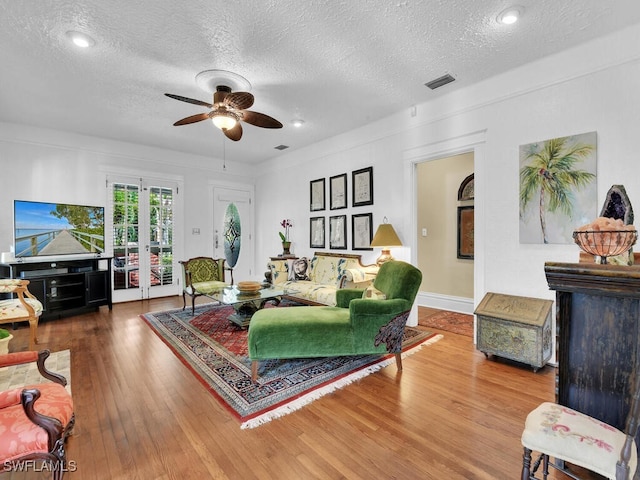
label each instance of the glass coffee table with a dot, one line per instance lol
(246, 304)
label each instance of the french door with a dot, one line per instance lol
(143, 222)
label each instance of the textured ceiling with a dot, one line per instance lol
(336, 64)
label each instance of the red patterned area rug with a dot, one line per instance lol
(453, 322)
(215, 350)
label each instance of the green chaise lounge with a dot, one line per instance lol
(355, 326)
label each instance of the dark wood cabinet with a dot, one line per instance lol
(65, 287)
(98, 288)
(598, 337)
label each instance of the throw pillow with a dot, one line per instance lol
(372, 293)
(298, 269)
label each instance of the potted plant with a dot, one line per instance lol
(5, 337)
(286, 244)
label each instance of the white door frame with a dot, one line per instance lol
(144, 180)
(471, 142)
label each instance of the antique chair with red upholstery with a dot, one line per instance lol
(35, 420)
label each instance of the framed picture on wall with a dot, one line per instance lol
(316, 232)
(465, 232)
(565, 168)
(361, 231)
(317, 195)
(338, 232)
(362, 183)
(338, 192)
(466, 190)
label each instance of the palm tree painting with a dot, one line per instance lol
(557, 188)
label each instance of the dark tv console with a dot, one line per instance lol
(65, 287)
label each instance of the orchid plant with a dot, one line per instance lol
(286, 224)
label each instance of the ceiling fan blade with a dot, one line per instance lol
(192, 119)
(260, 119)
(189, 100)
(234, 133)
(239, 100)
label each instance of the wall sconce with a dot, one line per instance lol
(385, 237)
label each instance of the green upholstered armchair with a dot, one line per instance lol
(202, 276)
(355, 326)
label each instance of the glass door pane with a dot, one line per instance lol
(126, 246)
(161, 236)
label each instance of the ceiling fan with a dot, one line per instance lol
(227, 111)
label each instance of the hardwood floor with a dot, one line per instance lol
(451, 414)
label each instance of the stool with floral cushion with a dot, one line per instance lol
(35, 420)
(25, 307)
(570, 436)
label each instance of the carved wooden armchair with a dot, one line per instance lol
(25, 307)
(35, 420)
(202, 276)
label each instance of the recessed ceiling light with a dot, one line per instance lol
(297, 122)
(511, 15)
(80, 39)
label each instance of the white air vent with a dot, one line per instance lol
(439, 82)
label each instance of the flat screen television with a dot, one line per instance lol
(50, 229)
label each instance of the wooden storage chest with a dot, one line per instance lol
(517, 328)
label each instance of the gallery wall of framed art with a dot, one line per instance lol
(336, 226)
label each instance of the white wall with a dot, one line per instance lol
(53, 166)
(590, 88)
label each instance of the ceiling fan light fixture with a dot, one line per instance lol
(510, 15)
(224, 120)
(228, 109)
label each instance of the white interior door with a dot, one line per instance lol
(143, 221)
(242, 198)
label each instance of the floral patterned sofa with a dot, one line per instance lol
(324, 274)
